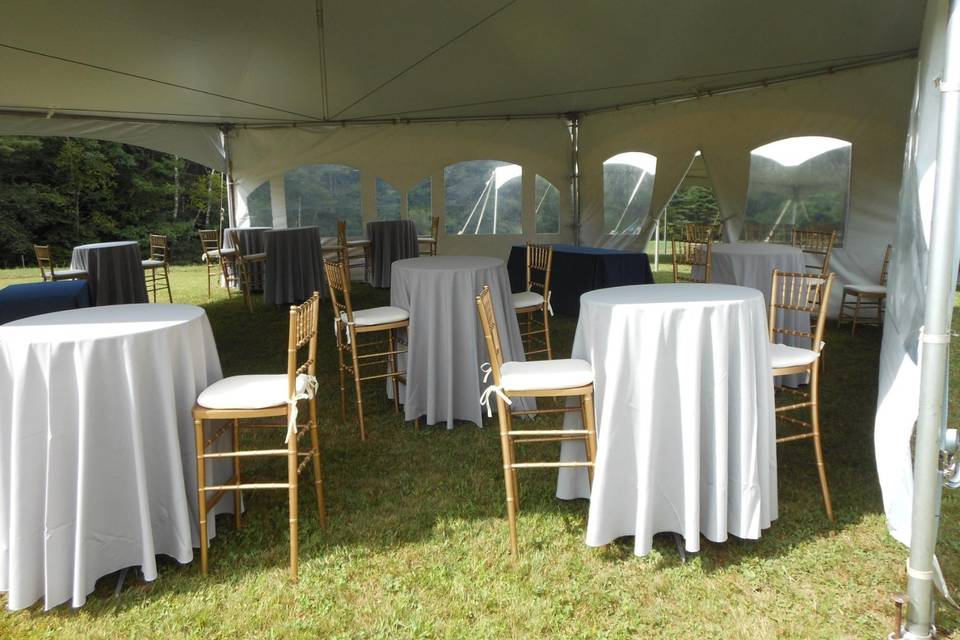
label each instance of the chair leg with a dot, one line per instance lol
(166, 277)
(356, 382)
(843, 306)
(292, 491)
(392, 363)
(209, 288)
(856, 316)
(225, 269)
(237, 495)
(506, 449)
(317, 467)
(513, 470)
(546, 332)
(817, 447)
(343, 388)
(589, 423)
(201, 493)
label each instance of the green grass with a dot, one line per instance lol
(417, 539)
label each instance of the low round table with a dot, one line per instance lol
(294, 268)
(390, 240)
(114, 271)
(685, 415)
(252, 240)
(97, 454)
(445, 342)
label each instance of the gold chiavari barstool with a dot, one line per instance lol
(352, 328)
(353, 253)
(429, 244)
(536, 301)
(538, 379)
(865, 297)
(47, 270)
(156, 268)
(251, 401)
(696, 255)
(217, 259)
(246, 263)
(696, 232)
(792, 293)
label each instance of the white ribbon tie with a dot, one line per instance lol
(309, 391)
(490, 390)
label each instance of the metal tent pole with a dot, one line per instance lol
(574, 119)
(231, 195)
(935, 343)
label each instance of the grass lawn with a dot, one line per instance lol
(417, 542)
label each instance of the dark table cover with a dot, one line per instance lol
(36, 298)
(577, 270)
(390, 240)
(294, 265)
(114, 272)
(252, 240)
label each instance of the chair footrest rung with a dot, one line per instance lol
(799, 436)
(551, 432)
(549, 465)
(252, 453)
(252, 485)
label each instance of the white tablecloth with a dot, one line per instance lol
(445, 342)
(97, 455)
(684, 401)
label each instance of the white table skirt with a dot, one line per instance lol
(445, 342)
(685, 414)
(97, 454)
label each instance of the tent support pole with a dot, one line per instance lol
(935, 343)
(231, 193)
(574, 119)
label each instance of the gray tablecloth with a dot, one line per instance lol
(251, 241)
(445, 342)
(294, 265)
(114, 271)
(390, 240)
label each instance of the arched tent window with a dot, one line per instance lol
(547, 212)
(627, 190)
(694, 201)
(259, 206)
(801, 183)
(483, 197)
(388, 201)
(320, 194)
(420, 207)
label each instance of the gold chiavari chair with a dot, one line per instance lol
(537, 379)
(250, 275)
(354, 351)
(791, 293)
(429, 244)
(817, 247)
(536, 300)
(866, 297)
(696, 255)
(353, 253)
(156, 268)
(695, 232)
(219, 261)
(45, 262)
(255, 402)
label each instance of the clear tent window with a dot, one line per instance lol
(798, 183)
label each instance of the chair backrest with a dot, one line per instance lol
(817, 245)
(539, 267)
(304, 319)
(237, 245)
(886, 264)
(488, 323)
(696, 255)
(44, 261)
(339, 282)
(803, 292)
(435, 228)
(209, 240)
(694, 232)
(342, 233)
(158, 247)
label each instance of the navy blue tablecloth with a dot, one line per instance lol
(577, 270)
(36, 298)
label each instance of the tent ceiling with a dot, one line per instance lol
(253, 61)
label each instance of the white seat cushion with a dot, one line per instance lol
(151, 264)
(545, 374)
(527, 299)
(425, 239)
(254, 257)
(216, 253)
(377, 315)
(70, 273)
(783, 356)
(249, 392)
(357, 243)
(870, 289)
